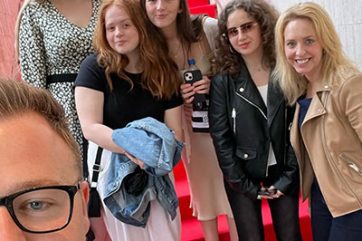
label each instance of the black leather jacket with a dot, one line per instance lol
(242, 128)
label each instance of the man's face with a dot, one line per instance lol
(33, 155)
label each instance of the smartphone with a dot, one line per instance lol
(191, 76)
(266, 192)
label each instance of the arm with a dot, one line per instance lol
(224, 143)
(350, 102)
(173, 121)
(32, 53)
(89, 105)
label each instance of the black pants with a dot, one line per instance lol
(248, 216)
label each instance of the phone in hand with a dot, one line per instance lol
(267, 192)
(263, 193)
(191, 76)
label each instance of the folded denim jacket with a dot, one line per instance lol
(155, 144)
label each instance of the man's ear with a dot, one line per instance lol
(84, 190)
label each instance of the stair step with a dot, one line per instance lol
(209, 10)
(179, 172)
(195, 3)
(183, 194)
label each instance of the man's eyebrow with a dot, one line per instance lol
(18, 187)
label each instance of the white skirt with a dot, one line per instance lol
(159, 226)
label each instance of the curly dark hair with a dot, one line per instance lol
(228, 61)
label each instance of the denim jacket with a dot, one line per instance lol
(154, 143)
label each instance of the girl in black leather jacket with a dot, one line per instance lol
(249, 123)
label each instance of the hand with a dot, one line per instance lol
(202, 86)
(137, 161)
(275, 193)
(263, 193)
(187, 91)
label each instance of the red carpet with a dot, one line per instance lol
(202, 7)
(191, 228)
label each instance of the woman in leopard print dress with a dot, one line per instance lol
(54, 36)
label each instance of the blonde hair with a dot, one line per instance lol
(336, 67)
(18, 97)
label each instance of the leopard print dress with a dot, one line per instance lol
(49, 44)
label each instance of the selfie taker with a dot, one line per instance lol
(42, 195)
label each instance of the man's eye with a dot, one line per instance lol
(36, 205)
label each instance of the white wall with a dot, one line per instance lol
(347, 17)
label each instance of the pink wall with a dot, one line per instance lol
(8, 13)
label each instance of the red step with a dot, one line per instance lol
(195, 3)
(210, 10)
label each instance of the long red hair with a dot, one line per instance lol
(160, 74)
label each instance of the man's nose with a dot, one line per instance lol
(9, 231)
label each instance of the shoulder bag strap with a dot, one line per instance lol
(94, 205)
(96, 167)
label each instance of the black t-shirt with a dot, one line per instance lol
(122, 105)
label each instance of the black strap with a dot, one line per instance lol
(61, 78)
(96, 167)
(94, 205)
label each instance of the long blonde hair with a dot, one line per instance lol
(336, 67)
